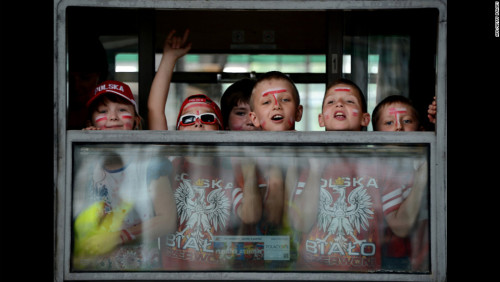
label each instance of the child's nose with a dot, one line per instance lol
(399, 126)
(277, 104)
(339, 104)
(113, 115)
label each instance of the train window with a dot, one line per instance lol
(121, 205)
(223, 205)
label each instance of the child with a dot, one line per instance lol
(275, 103)
(202, 185)
(396, 113)
(275, 106)
(344, 107)
(115, 230)
(203, 189)
(112, 107)
(235, 105)
(342, 202)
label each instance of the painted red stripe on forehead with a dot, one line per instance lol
(397, 110)
(342, 89)
(273, 92)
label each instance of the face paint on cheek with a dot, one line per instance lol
(126, 116)
(100, 118)
(355, 112)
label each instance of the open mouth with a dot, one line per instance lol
(339, 116)
(277, 117)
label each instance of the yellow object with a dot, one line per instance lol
(97, 232)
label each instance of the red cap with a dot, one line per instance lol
(202, 98)
(115, 87)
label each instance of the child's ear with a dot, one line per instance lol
(137, 123)
(365, 119)
(321, 120)
(254, 119)
(298, 113)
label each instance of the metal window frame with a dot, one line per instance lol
(64, 139)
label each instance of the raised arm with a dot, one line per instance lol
(250, 210)
(305, 213)
(173, 48)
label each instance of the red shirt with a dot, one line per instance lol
(347, 235)
(203, 195)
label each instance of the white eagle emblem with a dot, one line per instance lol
(341, 218)
(199, 215)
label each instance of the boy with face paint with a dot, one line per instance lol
(397, 113)
(337, 233)
(274, 106)
(112, 107)
(344, 107)
(124, 212)
(203, 185)
(275, 103)
(205, 198)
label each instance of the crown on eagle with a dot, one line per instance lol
(339, 181)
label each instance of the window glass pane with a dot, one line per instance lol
(355, 208)
(248, 63)
(380, 61)
(311, 98)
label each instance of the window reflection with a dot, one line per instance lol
(356, 208)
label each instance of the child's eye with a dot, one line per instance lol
(240, 113)
(389, 122)
(407, 121)
(330, 102)
(123, 110)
